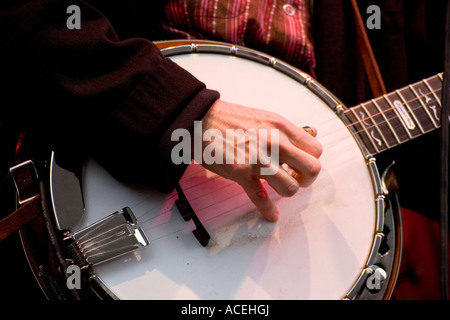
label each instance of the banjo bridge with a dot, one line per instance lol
(186, 211)
(106, 239)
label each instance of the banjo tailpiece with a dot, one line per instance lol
(109, 238)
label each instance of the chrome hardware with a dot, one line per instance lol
(339, 109)
(66, 193)
(109, 238)
(389, 181)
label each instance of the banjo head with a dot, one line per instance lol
(329, 242)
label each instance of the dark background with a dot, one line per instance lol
(408, 47)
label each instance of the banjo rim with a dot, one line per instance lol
(386, 209)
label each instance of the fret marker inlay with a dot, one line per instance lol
(392, 119)
(404, 115)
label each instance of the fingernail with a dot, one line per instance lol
(309, 130)
(273, 217)
(277, 216)
(294, 186)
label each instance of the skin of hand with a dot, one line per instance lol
(297, 148)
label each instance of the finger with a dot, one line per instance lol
(305, 138)
(258, 195)
(285, 184)
(304, 167)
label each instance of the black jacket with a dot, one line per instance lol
(90, 91)
(100, 91)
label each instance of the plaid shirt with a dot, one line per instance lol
(278, 28)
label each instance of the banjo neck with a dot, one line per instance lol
(400, 116)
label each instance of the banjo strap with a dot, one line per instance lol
(371, 66)
(25, 180)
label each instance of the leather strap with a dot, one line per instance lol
(26, 181)
(373, 72)
(19, 218)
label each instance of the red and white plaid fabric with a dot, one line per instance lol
(278, 28)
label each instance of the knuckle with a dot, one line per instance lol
(242, 172)
(291, 189)
(278, 122)
(315, 169)
(317, 149)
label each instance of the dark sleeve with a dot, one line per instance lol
(89, 91)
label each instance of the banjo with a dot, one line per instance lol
(340, 238)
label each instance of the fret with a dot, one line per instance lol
(397, 117)
(366, 125)
(386, 120)
(388, 123)
(429, 101)
(405, 103)
(419, 108)
(357, 124)
(374, 129)
(391, 116)
(435, 86)
(387, 133)
(403, 115)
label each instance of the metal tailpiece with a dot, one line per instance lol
(109, 238)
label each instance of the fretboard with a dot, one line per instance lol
(398, 117)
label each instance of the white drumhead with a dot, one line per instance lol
(316, 250)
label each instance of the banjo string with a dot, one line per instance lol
(164, 215)
(328, 145)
